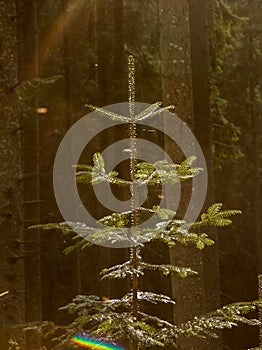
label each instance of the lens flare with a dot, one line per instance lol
(91, 343)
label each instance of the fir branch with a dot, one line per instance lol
(166, 269)
(175, 235)
(162, 172)
(119, 271)
(113, 235)
(216, 217)
(59, 226)
(124, 219)
(228, 13)
(108, 114)
(96, 174)
(152, 111)
(150, 297)
(226, 317)
(149, 111)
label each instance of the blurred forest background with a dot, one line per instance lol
(204, 57)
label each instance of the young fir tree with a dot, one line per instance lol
(123, 320)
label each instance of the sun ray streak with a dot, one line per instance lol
(60, 25)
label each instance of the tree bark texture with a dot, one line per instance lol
(11, 254)
(198, 18)
(177, 90)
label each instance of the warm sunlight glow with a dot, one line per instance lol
(42, 110)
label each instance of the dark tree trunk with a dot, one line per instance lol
(102, 53)
(57, 270)
(118, 71)
(255, 117)
(198, 13)
(11, 253)
(28, 69)
(177, 90)
(260, 311)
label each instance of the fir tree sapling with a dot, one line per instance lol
(123, 320)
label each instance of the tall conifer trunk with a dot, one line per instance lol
(254, 118)
(11, 254)
(28, 69)
(177, 90)
(198, 18)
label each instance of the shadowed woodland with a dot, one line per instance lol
(59, 57)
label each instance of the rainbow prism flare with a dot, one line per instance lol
(91, 343)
